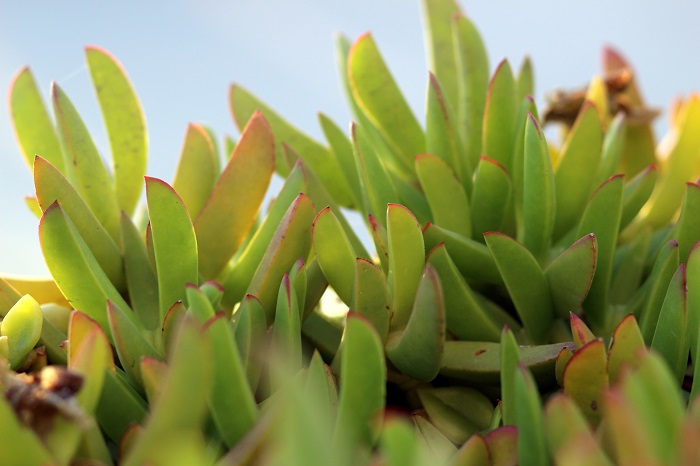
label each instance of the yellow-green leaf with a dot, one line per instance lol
(125, 122)
(238, 194)
(33, 126)
(197, 169)
(376, 92)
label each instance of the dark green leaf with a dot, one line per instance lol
(416, 348)
(526, 284)
(472, 84)
(570, 275)
(577, 169)
(491, 197)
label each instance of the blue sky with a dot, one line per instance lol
(182, 56)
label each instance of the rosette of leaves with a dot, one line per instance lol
(516, 230)
(172, 321)
(519, 230)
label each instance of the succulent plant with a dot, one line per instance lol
(191, 330)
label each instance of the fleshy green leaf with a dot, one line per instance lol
(129, 342)
(397, 443)
(83, 165)
(239, 192)
(378, 187)
(362, 383)
(481, 361)
(236, 278)
(323, 332)
(532, 446)
(570, 275)
(197, 169)
(376, 92)
(656, 286)
(580, 331)
(243, 105)
(525, 79)
(231, 400)
(672, 335)
(171, 323)
(52, 186)
(613, 145)
(406, 261)
(472, 84)
(629, 437)
(446, 196)
(291, 240)
(443, 139)
(75, 268)
(140, 277)
(286, 331)
(370, 296)
(658, 404)
(517, 173)
(586, 378)
(342, 150)
(473, 259)
(181, 406)
(602, 218)
(126, 125)
(491, 197)
(500, 114)
(510, 359)
(637, 192)
(119, 406)
(568, 434)
(174, 243)
(474, 452)
(577, 169)
(22, 327)
(466, 315)
(687, 229)
(441, 46)
(319, 196)
(33, 126)
(539, 201)
(624, 349)
(250, 326)
(90, 356)
(629, 268)
(416, 348)
(334, 253)
(693, 302)
(526, 284)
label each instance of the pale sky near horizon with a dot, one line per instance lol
(182, 57)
